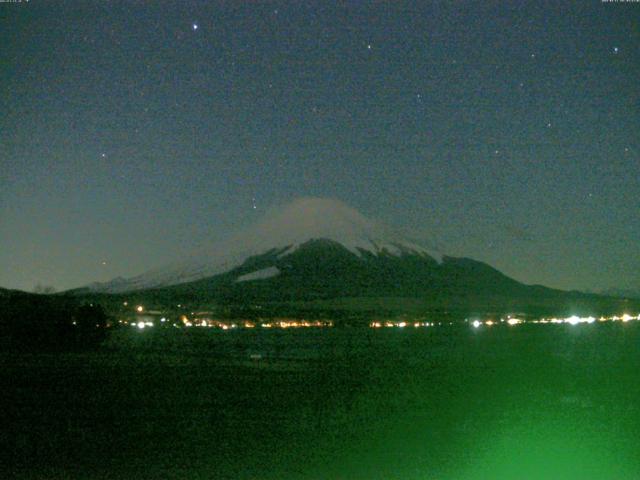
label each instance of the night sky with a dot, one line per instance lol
(132, 133)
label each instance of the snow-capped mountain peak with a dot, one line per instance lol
(284, 229)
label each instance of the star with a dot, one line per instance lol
(615, 49)
(549, 125)
(194, 26)
(103, 155)
(369, 46)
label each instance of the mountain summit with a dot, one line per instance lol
(320, 218)
(283, 230)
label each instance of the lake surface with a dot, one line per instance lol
(450, 402)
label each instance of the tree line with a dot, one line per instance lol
(37, 322)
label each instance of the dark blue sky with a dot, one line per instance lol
(505, 131)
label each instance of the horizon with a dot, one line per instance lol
(327, 207)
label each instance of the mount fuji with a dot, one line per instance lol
(316, 249)
(282, 232)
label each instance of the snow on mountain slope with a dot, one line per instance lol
(259, 274)
(285, 229)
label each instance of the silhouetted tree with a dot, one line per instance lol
(89, 325)
(35, 322)
(44, 289)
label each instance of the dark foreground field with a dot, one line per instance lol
(525, 402)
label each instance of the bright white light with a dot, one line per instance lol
(476, 323)
(513, 321)
(489, 323)
(402, 324)
(141, 325)
(195, 26)
(573, 320)
(163, 319)
(140, 308)
(626, 317)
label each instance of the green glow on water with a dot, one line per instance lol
(571, 448)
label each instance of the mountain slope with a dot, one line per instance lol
(282, 230)
(324, 269)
